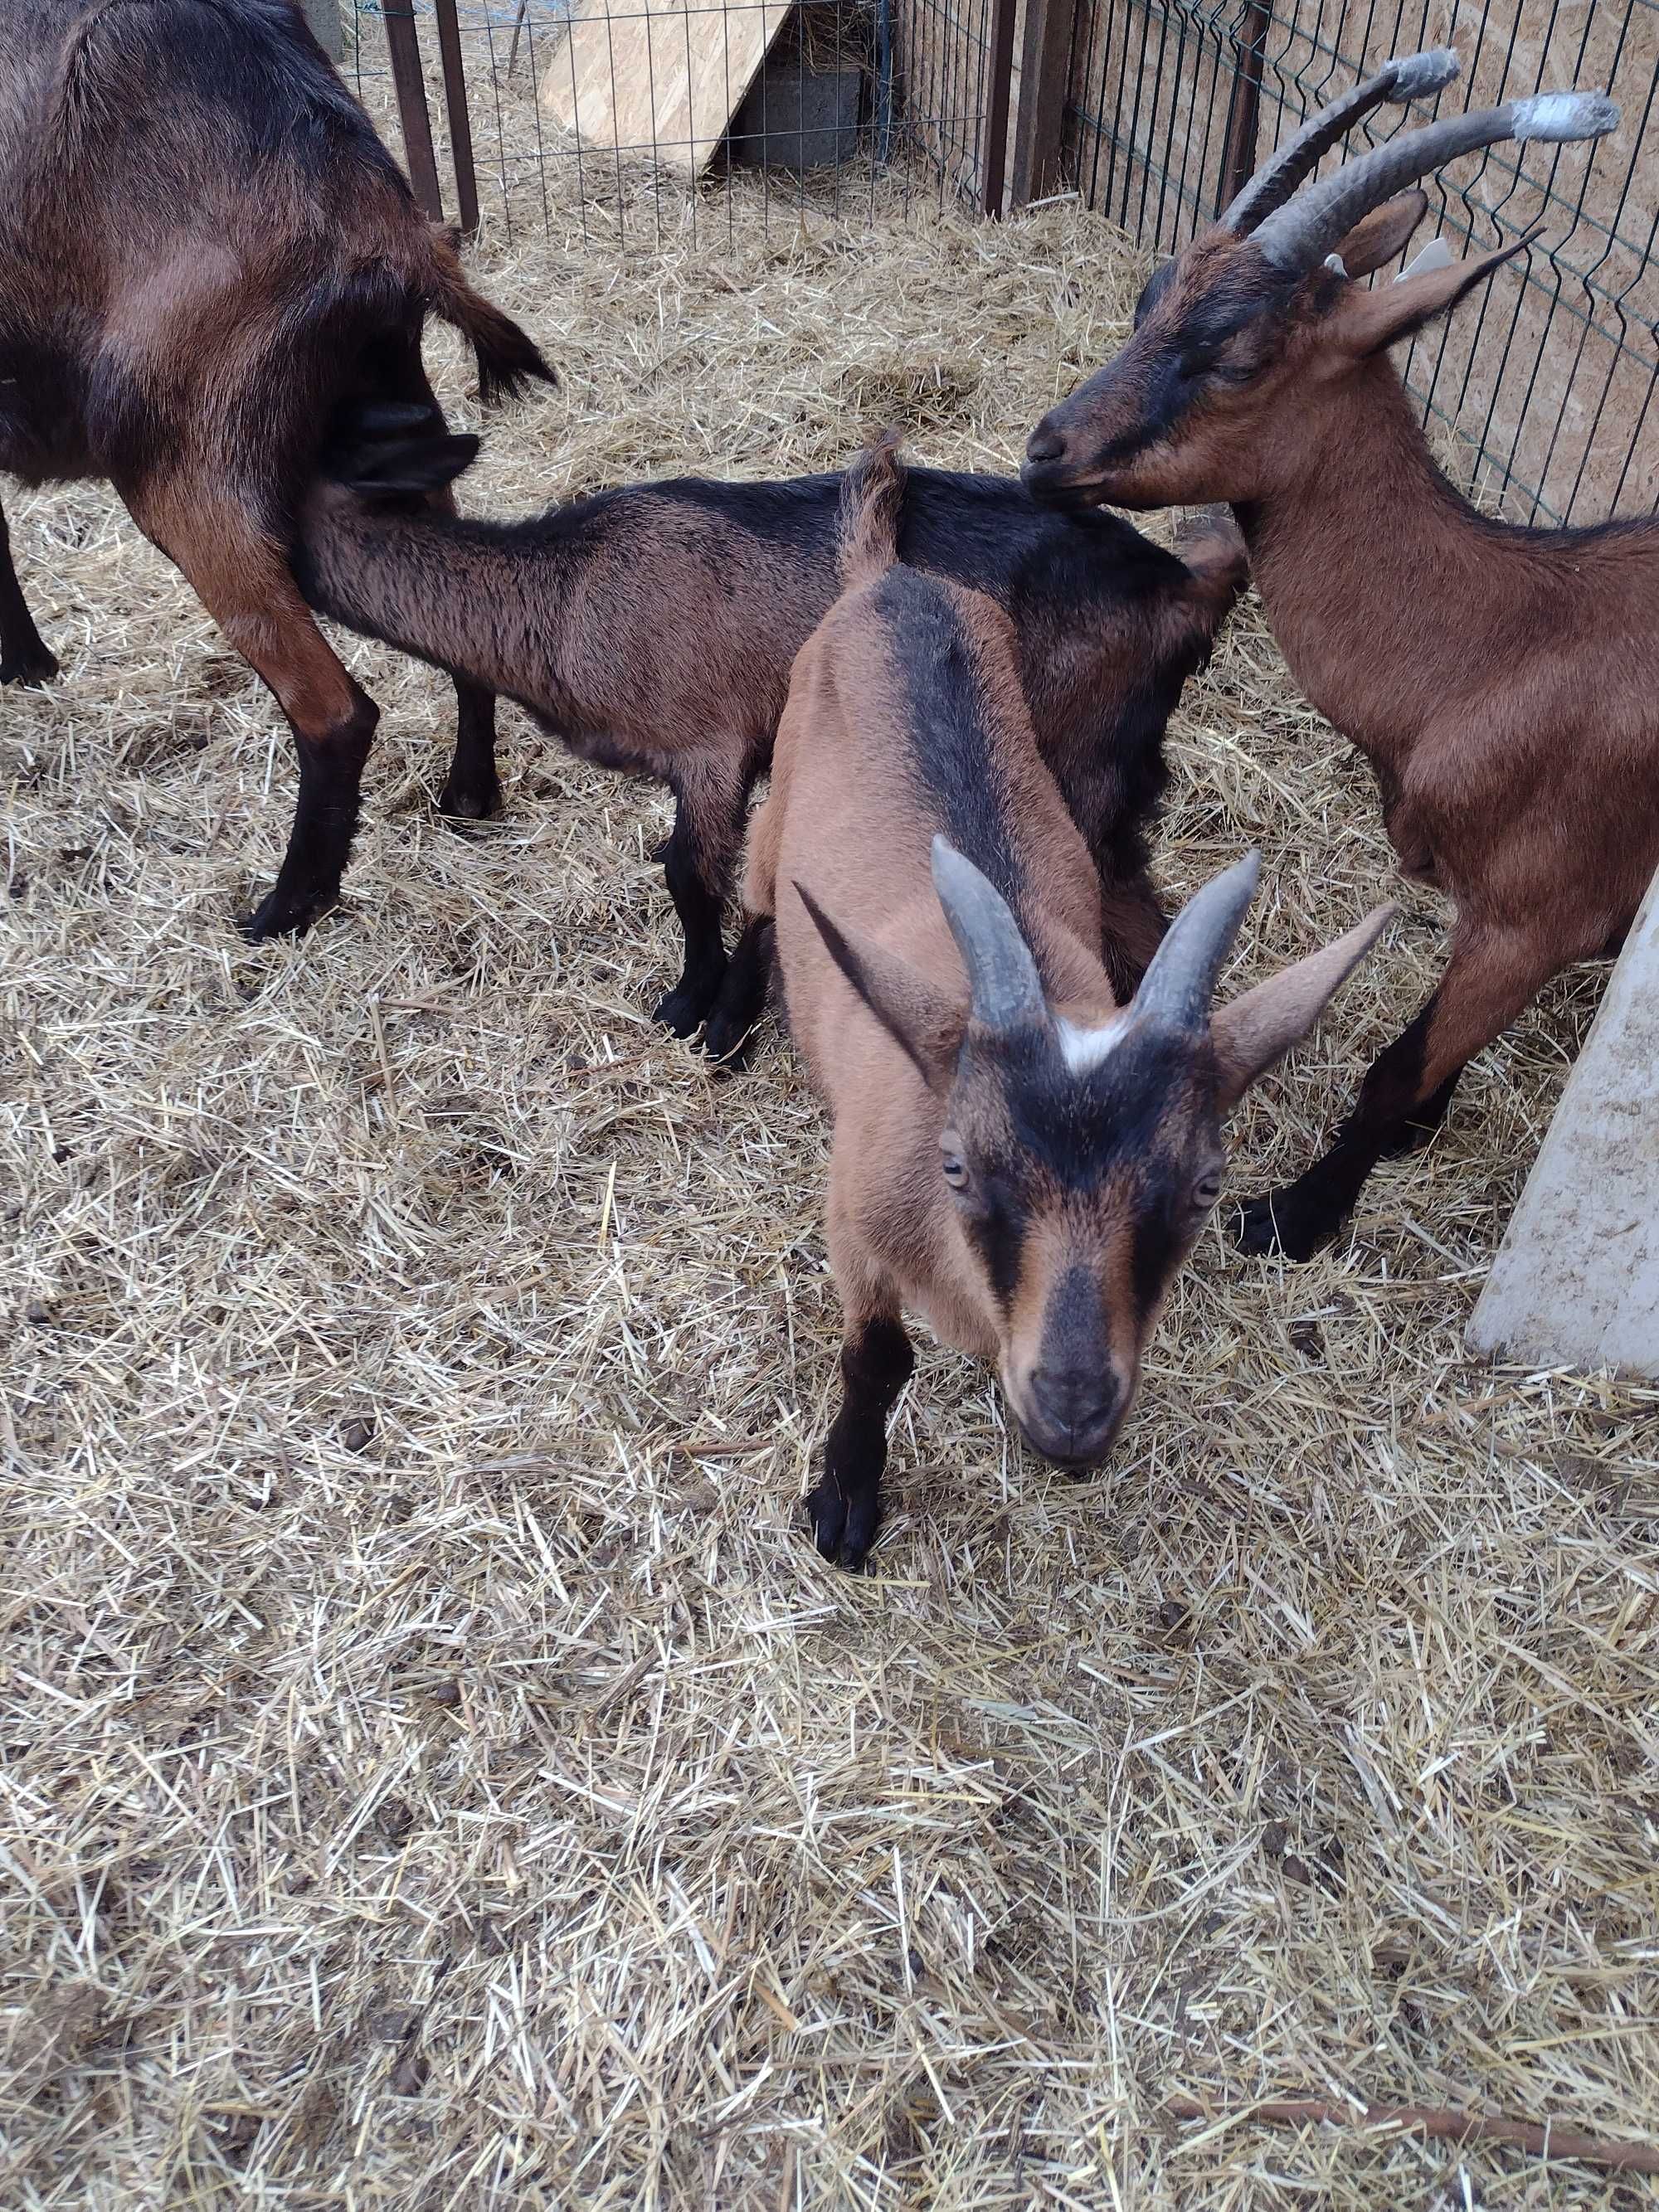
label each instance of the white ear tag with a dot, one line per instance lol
(1437, 254)
(1334, 263)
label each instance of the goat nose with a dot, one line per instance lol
(1075, 1400)
(1044, 444)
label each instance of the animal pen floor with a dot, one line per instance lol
(438, 1770)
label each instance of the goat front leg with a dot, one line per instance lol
(743, 991)
(876, 1362)
(1490, 977)
(710, 793)
(24, 657)
(241, 576)
(473, 789)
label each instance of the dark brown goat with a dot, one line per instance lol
(204, 249)
(653, 628)
(1504, 682)
(1018, 1155)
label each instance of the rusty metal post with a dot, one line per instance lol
(996, 120)
(405, 48)
(1245, 108)
(1039, 132)
(460, 123)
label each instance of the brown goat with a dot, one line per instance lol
(1015, 1156)
(652, 629)
(1504, 682)
(204, 249)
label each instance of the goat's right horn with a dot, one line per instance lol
(1007, 991)
(1405, 78)
(1299, 236)
(1180, 983)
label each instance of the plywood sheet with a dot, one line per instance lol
(658, 79)
(1577, 1282)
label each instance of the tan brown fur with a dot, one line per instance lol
(1504, 682)
(1054, 1252)
(184, 304)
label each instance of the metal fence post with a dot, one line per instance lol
(460, 123)
(405, 50)
(996, 121)
(1040, 123)
(1244, 109)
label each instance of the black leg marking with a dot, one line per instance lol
(24, 658)
(325, 822)
(845, 1505)
(697, 862)
(743, 991)
(472, 790)
(1387, 1121)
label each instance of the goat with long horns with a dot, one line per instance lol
(1502, 682)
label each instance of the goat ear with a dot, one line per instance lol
(913, 1014)
(1376, 238)
(1260, 1028)
(1364, 323)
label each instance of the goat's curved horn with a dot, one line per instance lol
(1299, 236)
(1406, 77)
(1002, 973)
(1180, 983)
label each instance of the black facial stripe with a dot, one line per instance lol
(1156, 1248)
(999, 1231)
(1082, 1128)
(1073, 1323)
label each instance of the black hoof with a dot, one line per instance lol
(726, 1042)
(1283, 1223)
(30, 667)
(467, 802)
(684, 1010)
(286, 914)
(844, 1528)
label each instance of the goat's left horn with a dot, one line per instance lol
(1180, 984)
(1299, 236)
(1007, 991)
(1405, 78)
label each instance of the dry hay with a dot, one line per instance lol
(438, 1770)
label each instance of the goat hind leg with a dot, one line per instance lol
(24, 656)
(1490, 977)
(240, 575)
(697, 861)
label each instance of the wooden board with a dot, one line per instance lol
(1577, 1282)
(658, 79)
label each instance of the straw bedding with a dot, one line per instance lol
(438, 1772)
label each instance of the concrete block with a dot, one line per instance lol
(1575, 1282)
(324, 17)
(796, 119)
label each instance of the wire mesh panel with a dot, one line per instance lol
(633, 113)
(1547, 389)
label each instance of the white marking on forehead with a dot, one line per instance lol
(1082, 1050)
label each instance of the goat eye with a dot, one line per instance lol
(956, 1170)
(1207, 1189)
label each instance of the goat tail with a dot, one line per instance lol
(871, 502)
(507, 357)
